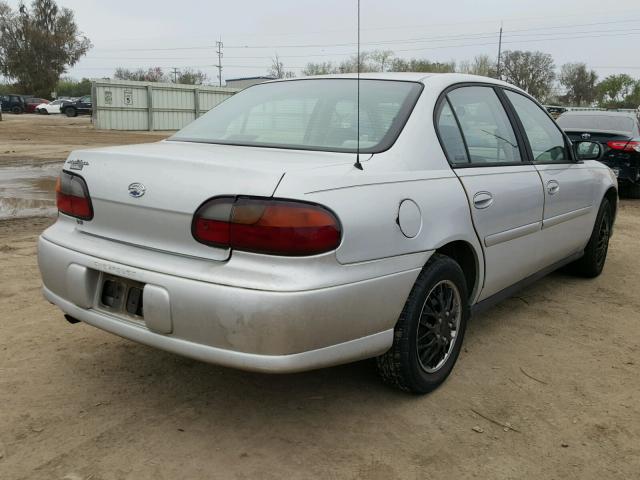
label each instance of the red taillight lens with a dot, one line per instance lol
(262, 225)
(72, 196)
(624, 145)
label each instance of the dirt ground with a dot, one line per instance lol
(37, 139)
(547, 387)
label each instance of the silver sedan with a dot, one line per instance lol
(300, 224)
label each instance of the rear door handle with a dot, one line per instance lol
(482, 200)
(553, 187)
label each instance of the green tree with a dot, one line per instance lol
(633, 99)
(189, 76)
(580, 83)
(531, 71)
(69, 87)
(614, 89)
(38, 44)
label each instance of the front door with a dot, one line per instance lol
(568, 186)
(505, 194)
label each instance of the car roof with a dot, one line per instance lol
(423, 77)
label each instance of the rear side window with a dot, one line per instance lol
(450, 135)
(485, 125)
(545, 138)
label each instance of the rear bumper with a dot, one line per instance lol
(250, 329)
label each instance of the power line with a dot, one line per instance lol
(478, 35)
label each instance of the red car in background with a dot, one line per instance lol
(32, 103)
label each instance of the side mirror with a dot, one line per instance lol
(587, 150)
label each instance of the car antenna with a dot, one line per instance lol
(358, 165)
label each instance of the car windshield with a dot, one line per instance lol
(314, 114)
(596, 122)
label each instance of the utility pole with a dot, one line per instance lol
(499, 73)
(219, 46)
(175, 74)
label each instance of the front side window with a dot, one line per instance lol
(317, 114)
(546, 140)
(485, 125)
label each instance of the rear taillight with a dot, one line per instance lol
(624, 145)
(72, 196)
(265, 225)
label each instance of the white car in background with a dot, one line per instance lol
(258, 238)
(49, 108)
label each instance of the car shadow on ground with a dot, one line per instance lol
(152, 373)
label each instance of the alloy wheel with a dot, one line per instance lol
(438, 326)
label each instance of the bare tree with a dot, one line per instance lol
(382, 59)
(154, 74)
(531, 71)
(324, 68)
(278, 70)
(482, 65)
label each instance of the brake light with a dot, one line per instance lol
(624, 145)
(72, 196)
(265, 225)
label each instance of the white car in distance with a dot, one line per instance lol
(49, 108)
(268, 236)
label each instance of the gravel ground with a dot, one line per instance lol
(547, 386)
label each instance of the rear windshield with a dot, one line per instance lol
(317, 114)
(596, 122)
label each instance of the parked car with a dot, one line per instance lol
(555, 111)
(268, 236)
(618, 134)
(32, 103)
(49, 108)
(81, 106)
(13, 103)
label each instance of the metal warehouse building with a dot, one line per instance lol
(125, 105)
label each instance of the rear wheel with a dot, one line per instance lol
(71, 112)
(17, 110)
(429, 333)
(595, 254)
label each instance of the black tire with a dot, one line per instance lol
(595, 253)
(401, 366)
(17, 110)
(71, 112)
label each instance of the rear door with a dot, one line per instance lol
(569, 186)
(504, 191)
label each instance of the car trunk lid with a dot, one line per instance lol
(169, 181)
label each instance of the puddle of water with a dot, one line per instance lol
(28, 191)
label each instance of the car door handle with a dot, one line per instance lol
(482, 200)
(553, 187)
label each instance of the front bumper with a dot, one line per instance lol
(245, 328)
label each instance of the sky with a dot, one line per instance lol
(183, 33)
